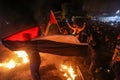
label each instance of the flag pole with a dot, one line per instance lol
(47, 29)
(59, 27)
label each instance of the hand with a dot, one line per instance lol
(84, 23)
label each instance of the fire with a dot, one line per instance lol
(23, 55)
(10, 64)
(20, 58)
(68, 72)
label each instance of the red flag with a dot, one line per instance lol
(51, 21)
(20, 36)
(52, 18)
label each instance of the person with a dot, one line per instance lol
(116, 61)
(34, 58)
(76, 29)
(64, 30)
(92, 52)
(92, 55)
(34, 63)
(45, 45)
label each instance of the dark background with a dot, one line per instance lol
(39, 9)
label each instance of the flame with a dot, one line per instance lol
(9, 65)
(68, 72)
(21, 55)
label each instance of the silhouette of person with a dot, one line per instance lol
(76, 29)
(34, 58)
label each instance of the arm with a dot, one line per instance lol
(114, 55)
(69, 25)
(83, 27)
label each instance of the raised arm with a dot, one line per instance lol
(69, 25)
(83, 27)
(114, 55)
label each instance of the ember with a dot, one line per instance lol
(20, 58)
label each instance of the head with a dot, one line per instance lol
(75, 26)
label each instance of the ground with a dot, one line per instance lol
(49, 68)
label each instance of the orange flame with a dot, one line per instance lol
(13, 62)
(68, 72)
(23, 55)
(10, 64)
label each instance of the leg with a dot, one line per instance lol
(34, 64)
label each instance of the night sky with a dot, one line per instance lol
(32, 6)
(24, 6)
(32, 10)
(28, 9)
(19, 14)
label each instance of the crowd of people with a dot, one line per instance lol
(103, 43)
(102, 39)
(103, 33)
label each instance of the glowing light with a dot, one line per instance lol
(0, 65)
(108, 70)
(69, 79)
(118, 11)
(10, 64)
(110, 19)
(68, 72)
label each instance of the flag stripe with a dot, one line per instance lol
(33, 32)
